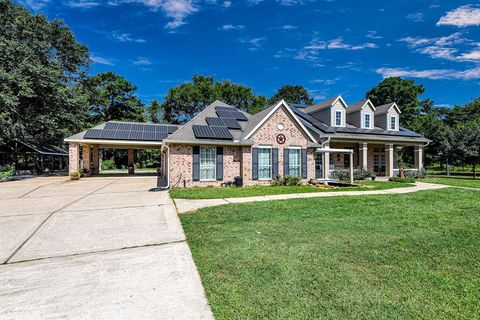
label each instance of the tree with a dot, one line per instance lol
(467, 144)
(405, 93)
(154, 112)
(112, 97)
(459, 115)
(292, 94)
(40, 63)
(186, 100)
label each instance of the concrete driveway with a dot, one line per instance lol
(98, 248)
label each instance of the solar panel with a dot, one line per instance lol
(135, 135)
(137, 127)
(121, 135)
(241, 117)
(111, 125)
(149, 135)
(93, 134)
(149, 128)
(221, 133)
(215, 122)
(124, 126)
(107, 134)
(202, 132)
(225, 108)
(231, 123)
(172, 129)
(232, 115)
(159, 136)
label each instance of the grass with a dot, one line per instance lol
(413, 256)
(232, 192)
(454, 181)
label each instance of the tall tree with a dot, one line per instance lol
(292, 94)
(405, 93)
(186, 100)
(154, 112)
(459, 115)
(112, 97)
(40, 63)
(467, 144)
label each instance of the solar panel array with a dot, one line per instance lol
(223, 122)
(211, 132)
(231, 113)
(131, 131)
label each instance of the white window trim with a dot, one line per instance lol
(390, 122)
(300, 160)
(365, 122)
(214, 167)
(271, 163)
(334, 122)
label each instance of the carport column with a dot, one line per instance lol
(131, 161)
(389, 160)
(73, 157)
(363, 156)
(95, 160)
(326, 162)
(418, 155)
(86, 154)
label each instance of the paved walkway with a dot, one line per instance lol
(98, 248)
(187, 205)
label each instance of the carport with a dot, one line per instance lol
(84, 147)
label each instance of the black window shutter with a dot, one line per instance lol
(304, 163)
(196, 163)
(285, 162)
(274, 163)
(254, 163)
(219, 163)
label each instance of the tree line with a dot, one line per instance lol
(46, 94)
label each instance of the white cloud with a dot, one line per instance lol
(126, 37)
(101, 60)
(470, 56)
(312, 50)
(441, 47)
(463, 16)
(227, 27)
(86, 4)
(141, 61)
(326, 82)
(178, 10)
(415, 16)
(434, 74)
(285, 27)
(372, 34)
(36, 4)
(254, 43)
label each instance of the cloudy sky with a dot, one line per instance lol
(329, 46)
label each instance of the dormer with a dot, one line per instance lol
(332, 112)
(362, 114)
(387, 117)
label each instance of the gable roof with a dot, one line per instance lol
(325, 104)
(386, 108)
(186, 133)
(260, 118)
(357, 106)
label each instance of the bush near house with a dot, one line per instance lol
(6, 173)
(404, 180)
(286, 181)
(108, 164)
(358, 174)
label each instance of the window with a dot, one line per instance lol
(208, 163)
(294, 162)
(393, 123)
(338, 118)
(367, 120)
(264, 163)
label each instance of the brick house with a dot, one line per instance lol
(222, 142)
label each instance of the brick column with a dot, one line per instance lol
(418, 155)
(86, 157)
(73, 157)
(131, 160)
(363, 155)
(389, 160)
(95, 160)
(246, 165)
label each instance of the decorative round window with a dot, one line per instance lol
(281, 139)
(280, 126)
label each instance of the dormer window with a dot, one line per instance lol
(367, 120)
(393, 123)
(338, 118)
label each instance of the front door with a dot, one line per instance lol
(318, 166)
(379, 161)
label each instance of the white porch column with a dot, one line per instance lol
(363, 155)
(351, 167)
(418, 155)
(389, 160)
(73, 157)
(326, 162)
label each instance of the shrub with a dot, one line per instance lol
(358, 174)
(404, 180)
(108, 164)
(75, 175)
(286, 181)
(6, 173)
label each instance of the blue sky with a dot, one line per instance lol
(331, 47)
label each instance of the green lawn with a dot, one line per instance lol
(411, 256)
(455, 181)
(232, 192)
